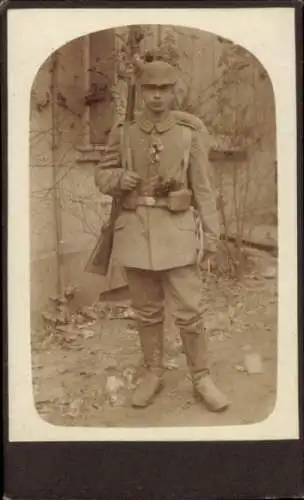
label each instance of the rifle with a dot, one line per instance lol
(100, 258)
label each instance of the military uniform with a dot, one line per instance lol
(156, 244)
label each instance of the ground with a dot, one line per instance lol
(72, 365)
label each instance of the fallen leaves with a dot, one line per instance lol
(87, 314)
(64, 324)
(269, 273)
(252, 360)
(74, 408)
(237, 313)
(240, 368)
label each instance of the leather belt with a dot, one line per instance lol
(148, 201)
(151, 201)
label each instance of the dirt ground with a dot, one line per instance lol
(71, 368)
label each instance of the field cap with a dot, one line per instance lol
(158, 73)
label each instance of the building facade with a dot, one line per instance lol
(77, 96)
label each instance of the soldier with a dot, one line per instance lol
(158, 169)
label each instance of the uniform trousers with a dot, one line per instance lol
(181, 288)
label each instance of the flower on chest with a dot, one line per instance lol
(155, 149)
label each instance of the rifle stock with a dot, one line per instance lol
(100, 258)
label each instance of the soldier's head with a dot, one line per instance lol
(157, 80)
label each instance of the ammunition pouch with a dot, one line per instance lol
(179, 201)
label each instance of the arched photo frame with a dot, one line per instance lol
(274, 57)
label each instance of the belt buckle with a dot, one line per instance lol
(150, 201)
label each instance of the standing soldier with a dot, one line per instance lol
(158, 170)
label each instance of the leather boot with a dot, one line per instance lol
(151, 340)
(204, 389)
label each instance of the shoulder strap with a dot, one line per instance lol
(186, 138)
(125, 147)
(187, 145)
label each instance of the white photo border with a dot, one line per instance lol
(33, 34)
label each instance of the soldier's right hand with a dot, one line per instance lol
(129, 181)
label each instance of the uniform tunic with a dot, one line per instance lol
(153, 238)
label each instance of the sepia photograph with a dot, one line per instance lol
(124, 123)
(154, 221)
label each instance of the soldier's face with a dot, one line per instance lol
(158, 98)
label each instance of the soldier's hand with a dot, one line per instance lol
(110, 158)
(129, 181)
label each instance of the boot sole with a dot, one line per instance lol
(150, 400)
(198, 397)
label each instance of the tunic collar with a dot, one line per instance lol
(162, 126)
